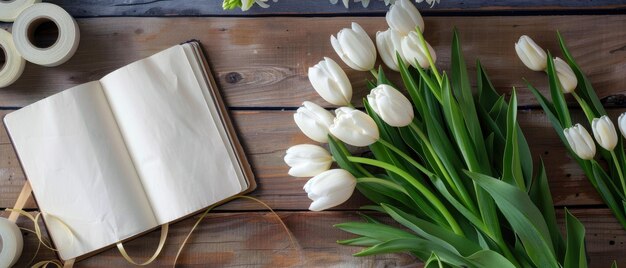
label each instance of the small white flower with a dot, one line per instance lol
(392, 107)
(313, 121)
(531, 54)
(329, 189)
(354, 127)
(355, 48)
(604, 132)
(307, 160)
(404, 17)
(580, 142)
(331, 82)
(566, 75)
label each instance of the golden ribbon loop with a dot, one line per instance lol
(26, 191)
(293, 242)
(164, 230)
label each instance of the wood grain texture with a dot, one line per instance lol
(256, 239)
(263, 62)
(151, 8)
(266, 135)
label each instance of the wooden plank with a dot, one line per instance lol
(323, 7)
(267, 134)
(263, 62)
(256, 239)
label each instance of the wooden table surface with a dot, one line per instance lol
(261, 62)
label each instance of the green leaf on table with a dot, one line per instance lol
(575, 252)
(410, 83)
(487, 95)
(550, 111)
(490, 258)
(432, 232)
(558, 98)
(608, 193)
(359, 242)
(584, 86)
(381, 232)
(540, 195)
(460, 84)
(433, 262)
(511, 166)
(524, 217)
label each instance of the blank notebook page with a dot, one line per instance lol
(173, 140)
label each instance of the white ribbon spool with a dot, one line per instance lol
(13, 62)
(64, 47)
(12, 243)
(9, 10)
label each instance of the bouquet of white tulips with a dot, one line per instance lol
(452, 168)
(566, 77)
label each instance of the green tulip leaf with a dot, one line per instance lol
(512, 169)
(575, 254)
(523, 216)
(584, 86)
(540, 195)
(556, 91)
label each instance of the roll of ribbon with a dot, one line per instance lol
(13, 63)
(31, 18)
(9, 10)
(12, 243)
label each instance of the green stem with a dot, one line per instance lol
(374, 73)
(406, 157)
(619, 171)
(583, 104)
(420, 187)
(431, 62)
(462, 194)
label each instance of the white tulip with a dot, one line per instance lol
(329, 189)
(621, 122)
(307, 160)
(566, 75)
(404, 17)
(604, 132)
(354, 127)
(580, 141)
(392, 107)
(414, 52)
(331, 82)
(531, 54)
(313, 121)
(389, 43)
(355, 48)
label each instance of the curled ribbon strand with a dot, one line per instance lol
(291, 238)
(164, 230)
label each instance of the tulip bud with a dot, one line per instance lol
(621, 122)
(313, 121)
(566, 75)
(415, 53)
(355, 48)
(329, 189)
(404, 17)
(388, 43)
(354, 127)
(392, 107)
(331, 82)
(604, 132)
(307, 160)
(531, 54)
(580, 141)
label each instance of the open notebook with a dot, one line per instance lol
(146, 145)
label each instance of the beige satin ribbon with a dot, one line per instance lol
(293, 242)
(164, 230)
(27, 190)
(17, 210)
